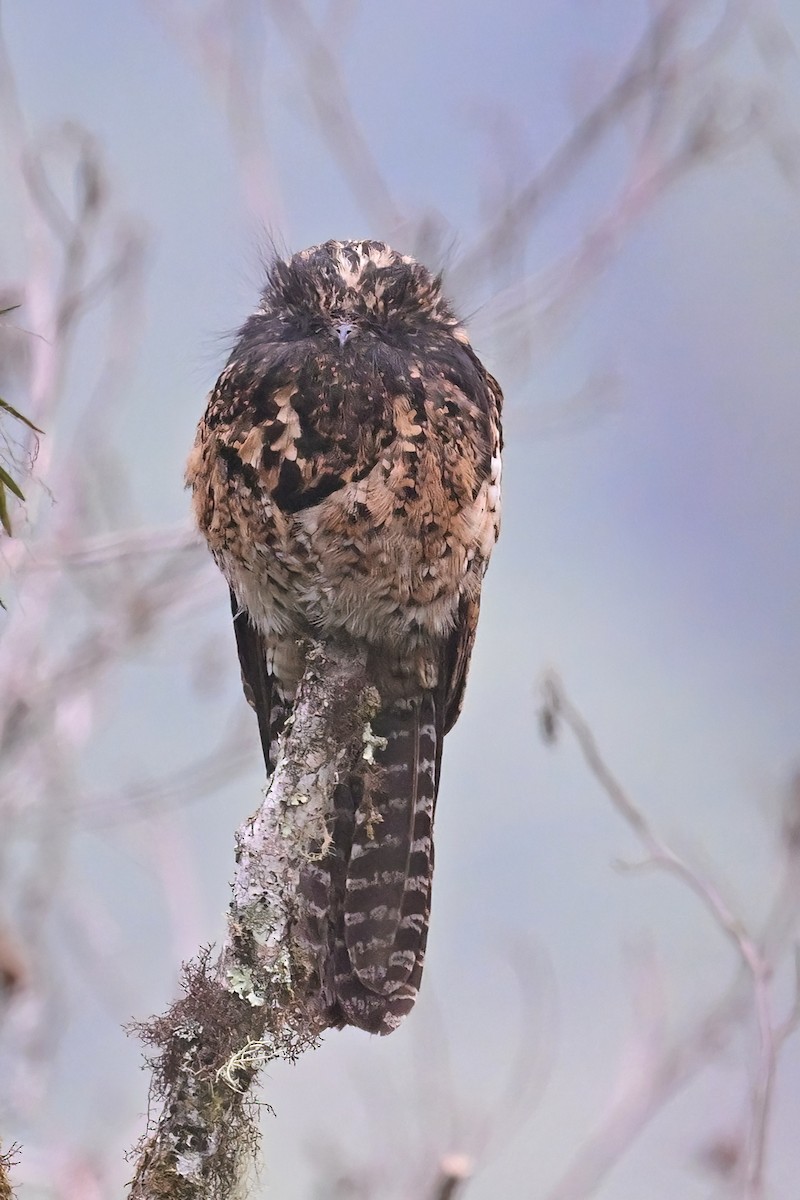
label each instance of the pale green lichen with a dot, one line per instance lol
(188, 1031)
(261, 1001)
(371, 743)
(250, 1057)
(254, 919)
(240, 982)
(281, 969)
(296, 799)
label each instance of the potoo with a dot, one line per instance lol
(346, 476)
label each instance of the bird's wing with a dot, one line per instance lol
(457, 655)
(273, 430)
(257, 683)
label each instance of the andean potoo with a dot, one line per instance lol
(346, 475)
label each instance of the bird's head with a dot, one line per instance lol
(350, 292)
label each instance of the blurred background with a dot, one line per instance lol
(611, 190)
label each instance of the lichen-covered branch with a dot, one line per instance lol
(7, 1161)
(260, 1000)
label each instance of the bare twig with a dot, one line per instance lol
(219, 38)
(669, 1069)
(99, 549)
(654, 71)
(456, 1172)
(333, 112)
(91, 588)
(8, 1159)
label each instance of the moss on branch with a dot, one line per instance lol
(260, 999)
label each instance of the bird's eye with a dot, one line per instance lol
(301, 326)
(391, 326)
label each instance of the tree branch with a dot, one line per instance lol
(7, 1161)
(261, 1000)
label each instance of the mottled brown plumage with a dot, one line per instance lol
(346, 477)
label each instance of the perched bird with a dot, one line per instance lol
(346, 476)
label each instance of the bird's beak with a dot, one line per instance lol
(343, 332)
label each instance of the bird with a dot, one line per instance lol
(346, 477)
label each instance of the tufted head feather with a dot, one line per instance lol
(352, 280)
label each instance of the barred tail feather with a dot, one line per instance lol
(380, 937)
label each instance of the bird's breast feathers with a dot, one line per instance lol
(367, 510)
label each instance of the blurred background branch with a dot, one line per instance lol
(661, 1067)
(125, 750)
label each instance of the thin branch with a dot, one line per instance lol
(221, 43)
(8, 1159)
(225, 761)
(651, 70)
(456, 1172)
(96, 550)
(334, 113)
(603, 1151)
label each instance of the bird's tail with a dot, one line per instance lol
(380, 871)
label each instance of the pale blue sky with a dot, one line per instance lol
(652, 555)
